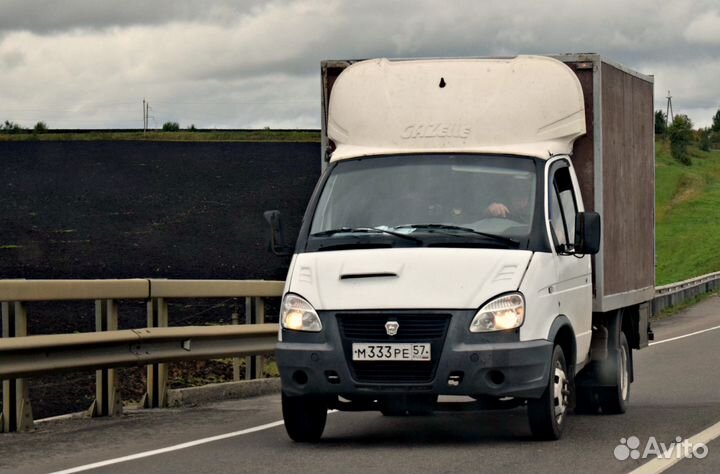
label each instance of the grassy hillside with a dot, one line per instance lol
(688, 215)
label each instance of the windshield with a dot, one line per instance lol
(472, 197)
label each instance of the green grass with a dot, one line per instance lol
(675, 309)
(180, 136)
(688, 215)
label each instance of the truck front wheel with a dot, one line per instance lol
(548, 413)
(305, 417)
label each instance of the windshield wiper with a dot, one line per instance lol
(500, 238)
(370, 230)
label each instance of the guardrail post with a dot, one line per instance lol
(259, 319)
(249, 317)
(16, 409)
(235, 319)
(254, 314)
(107, 395)
(157, 374)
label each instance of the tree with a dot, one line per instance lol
(680, 133)
(40, 127)
(704, 139)
(716, 122)
(171, 127)
(660, 122)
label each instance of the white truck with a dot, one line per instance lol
(453, 246)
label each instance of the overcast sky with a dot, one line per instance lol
(251, 64)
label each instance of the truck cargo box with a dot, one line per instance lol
(615, 164)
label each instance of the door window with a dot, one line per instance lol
(563, 209)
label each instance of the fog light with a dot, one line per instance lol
(495, 377)
(300, 377)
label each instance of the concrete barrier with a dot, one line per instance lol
(192, 396)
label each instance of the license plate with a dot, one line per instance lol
(393, 351)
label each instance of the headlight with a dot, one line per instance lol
(299, 315)
(504, 312)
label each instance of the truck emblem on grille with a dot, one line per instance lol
(391, 327)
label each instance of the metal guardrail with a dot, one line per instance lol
(59, 290)
(22, 355)
(37, 355)
(677, 293)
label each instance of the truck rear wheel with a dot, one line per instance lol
(613, 400)
(305, 417)
(548, 413)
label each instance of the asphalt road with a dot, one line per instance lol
(676, 394)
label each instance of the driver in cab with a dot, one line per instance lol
(515, 205)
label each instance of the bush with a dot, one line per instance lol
(171, 127)
(704, 135)
(680, 133)
(40, 127)
(11, 127)
(660, 122)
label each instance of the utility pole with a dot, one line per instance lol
(669, 112)
(146, 116)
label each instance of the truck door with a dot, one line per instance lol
(573, 286)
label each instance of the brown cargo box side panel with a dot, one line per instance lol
(583, 156)
(329, 72)
(628, 182)
(583, 150)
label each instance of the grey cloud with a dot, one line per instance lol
(705, 29)
(52, 16)
(12, 59)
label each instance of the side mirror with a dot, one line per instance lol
(277, 237)
(587, 233)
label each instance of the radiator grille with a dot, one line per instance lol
(413, 327)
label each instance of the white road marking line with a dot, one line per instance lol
(68, 416)
(684, 336)
(659, 465)
(177, 447)
(169, 449)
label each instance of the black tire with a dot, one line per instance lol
(305, 417)
(613, 400)
(547, 415)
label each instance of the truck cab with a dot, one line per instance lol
(446, 251)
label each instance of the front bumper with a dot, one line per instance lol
(492, 364)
